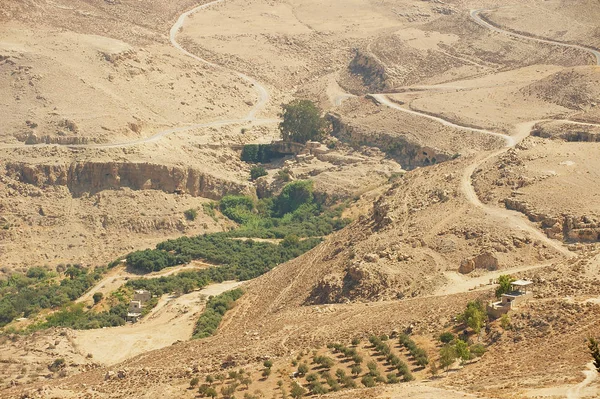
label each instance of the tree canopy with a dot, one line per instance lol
(504, 282)
(302, 122)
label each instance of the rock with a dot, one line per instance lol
(109, 375)
(372, 258)
(485, 260)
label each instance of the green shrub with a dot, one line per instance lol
(191, 214)
(477, 350)
(97, 297)
(368, 381)
(446, 337)
(256, 172)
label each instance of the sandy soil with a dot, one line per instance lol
(172, 320)
(466, 89)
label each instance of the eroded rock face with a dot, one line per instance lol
(370, 70)
(92, 177)
(381, 209)
(486, 260)
(564, 227)
(404, 150)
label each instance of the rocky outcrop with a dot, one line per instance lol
(567, 131)
(408, 153)
(381, 210)
(565, 227)
(92, 177)
(485, 260)
(371, 71)
(359, 282)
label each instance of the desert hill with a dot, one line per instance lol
(463, 145)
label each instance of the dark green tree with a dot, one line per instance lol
(97, 297)
(302, 122)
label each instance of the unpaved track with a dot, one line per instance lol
(514, 218)
(261, 91)
(590, 375)
(510, 141)
(476, 16)
(172, 320)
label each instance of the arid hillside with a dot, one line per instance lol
(460, 138)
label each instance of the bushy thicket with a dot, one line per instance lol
(24, 295)
(216, 308)
(295, 211)
(246, 259)
(77, 318)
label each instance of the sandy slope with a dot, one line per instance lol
(172, 320)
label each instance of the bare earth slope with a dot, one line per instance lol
(469, 108)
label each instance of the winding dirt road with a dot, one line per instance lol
(476, 16)
(261, 91)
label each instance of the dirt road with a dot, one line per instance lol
(172, 320)
(476, 16)
(118, 276)
(262, 101)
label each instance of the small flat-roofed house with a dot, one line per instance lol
(519, 293)
(140, 297)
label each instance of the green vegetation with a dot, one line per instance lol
(368, 381)
(297, 391)
(293, 214)
(474, 316)
(216, 308)
(302, 122)
(191, 214)
(459, 350)
(504, 282)
(417, 353)
(505, 322)
(257, 171)
(97, 297)
(383, 349)
(446, 337)
(241, 260)
(296, 211)
(257, 153)
(209, 210)
(447, 356)
(24, 295)
(74, 316)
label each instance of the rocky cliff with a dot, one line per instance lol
(407, 152)
(92, 177)
(569, 228)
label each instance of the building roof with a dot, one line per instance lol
(522, 283)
